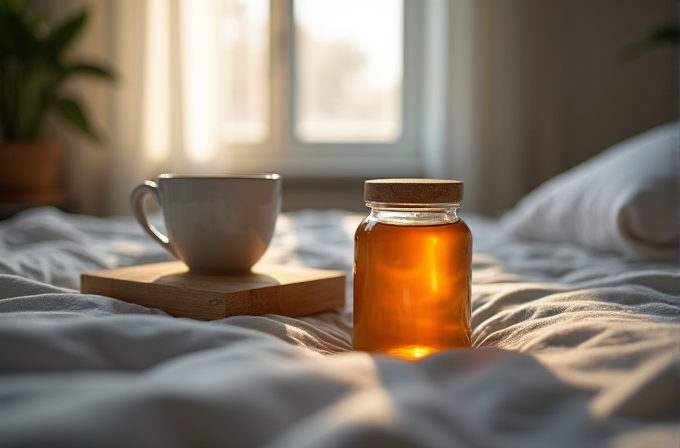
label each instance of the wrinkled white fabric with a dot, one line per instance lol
(572, 347)
(624, 200)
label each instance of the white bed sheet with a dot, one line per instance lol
(571, 348)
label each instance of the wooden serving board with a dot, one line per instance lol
(285, 290)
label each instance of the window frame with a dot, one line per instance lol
(281, 151)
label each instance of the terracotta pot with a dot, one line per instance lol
(29, 169)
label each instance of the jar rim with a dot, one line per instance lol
(412, 207)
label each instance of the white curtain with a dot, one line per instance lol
(496, 106)
(165, 111)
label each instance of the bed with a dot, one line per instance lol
(576, 334)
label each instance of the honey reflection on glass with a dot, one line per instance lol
(412, 288)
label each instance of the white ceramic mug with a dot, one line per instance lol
(215, 223)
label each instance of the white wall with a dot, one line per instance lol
(607, 100)
(538, 86)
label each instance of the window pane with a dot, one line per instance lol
(244, 34)
(348, 70)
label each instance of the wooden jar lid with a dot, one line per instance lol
(413, 191)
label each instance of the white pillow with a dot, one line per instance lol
(623, 200)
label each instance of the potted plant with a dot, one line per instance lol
(34, 66)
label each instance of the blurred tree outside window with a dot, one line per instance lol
(346, 62)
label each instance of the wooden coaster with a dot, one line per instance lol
(285, 290)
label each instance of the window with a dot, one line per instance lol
(321, 87)
(302, 87)
(348, 70)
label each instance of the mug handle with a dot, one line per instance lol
(139, 212)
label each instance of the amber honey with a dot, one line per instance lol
(412, 286)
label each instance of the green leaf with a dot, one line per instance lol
(71, 111)
(15, 6)
(664, 34)
(34, 65)
(15, 36)
(669, 33)
(90, 69)
(64, 34)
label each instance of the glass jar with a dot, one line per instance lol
(412, 269)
